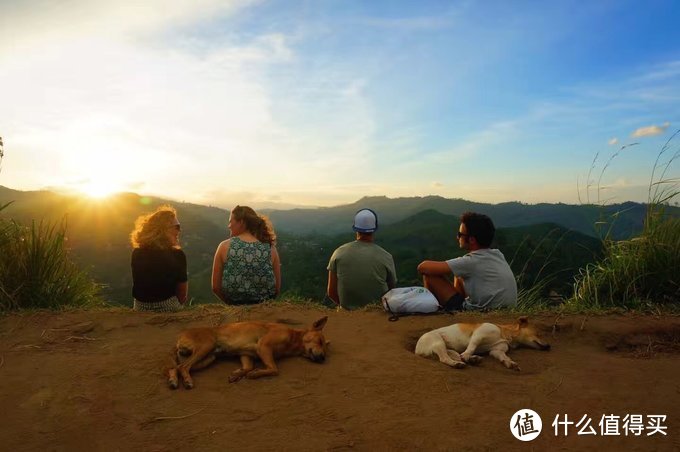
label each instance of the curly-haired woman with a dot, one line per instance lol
(159, 266)
(246, 267)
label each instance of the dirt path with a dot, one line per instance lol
(91, 380)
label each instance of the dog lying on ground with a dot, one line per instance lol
(197, 348)
(459, 344)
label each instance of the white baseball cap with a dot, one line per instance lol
(366, 221)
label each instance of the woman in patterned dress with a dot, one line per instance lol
(159, 266)
(246, 267)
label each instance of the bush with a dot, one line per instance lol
(644, 269)
(641, 270)
(36, 270)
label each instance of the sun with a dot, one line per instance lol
(98, 189)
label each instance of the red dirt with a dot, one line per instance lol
(92, 380)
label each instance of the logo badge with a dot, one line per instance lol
(526, 424)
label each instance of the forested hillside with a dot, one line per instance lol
(98, 237)
(536, 251)
(581, 218)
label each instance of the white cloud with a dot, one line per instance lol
(427, 23)
(175, 98)
(91, 104)
(105, 100)
(650, 130)
(664, 71)
(612, 141)
(34, 21)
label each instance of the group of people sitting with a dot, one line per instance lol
(247, 269)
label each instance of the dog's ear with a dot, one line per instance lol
(523, 321)
(319, 324)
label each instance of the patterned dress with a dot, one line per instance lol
(248, 274)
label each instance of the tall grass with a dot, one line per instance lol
(532, 295)
(534, 298)
(643, 270)
(36, 270)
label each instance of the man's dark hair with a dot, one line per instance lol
(480, 227)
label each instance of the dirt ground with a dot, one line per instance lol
(92, 380)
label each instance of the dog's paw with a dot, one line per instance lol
(188, 384)
(513, 366)
(459, 365)
(474, 359)
(173, 384)
(234, 378)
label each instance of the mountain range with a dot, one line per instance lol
(582, 218)
(540, 240)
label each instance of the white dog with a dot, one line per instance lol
(458, 344)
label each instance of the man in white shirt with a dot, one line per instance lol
(482, 279)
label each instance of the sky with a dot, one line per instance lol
(320, 103)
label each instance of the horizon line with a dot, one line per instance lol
(78, 194)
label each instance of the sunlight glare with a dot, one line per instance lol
(98, 189)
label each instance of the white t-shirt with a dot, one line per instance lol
(488, 279)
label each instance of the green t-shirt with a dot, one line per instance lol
(365, 272)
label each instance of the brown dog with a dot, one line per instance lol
(198, 347)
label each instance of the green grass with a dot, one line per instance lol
(36, 270)
(641, 273)
(643, 270)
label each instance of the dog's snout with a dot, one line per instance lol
(317, 357)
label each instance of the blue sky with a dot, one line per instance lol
(323, 102)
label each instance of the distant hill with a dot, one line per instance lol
(535, 251)
(338, 219)
(412, 229)
(581, 218)
(98, 233)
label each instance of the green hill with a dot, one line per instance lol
(581, 218)
(534, 251)
(98, 233)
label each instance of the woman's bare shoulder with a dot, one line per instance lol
(223, 247)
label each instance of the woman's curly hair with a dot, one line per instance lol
(150, 229)
(258, 225)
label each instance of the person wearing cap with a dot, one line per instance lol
(482, 278)
(360, 272)
(159, 266)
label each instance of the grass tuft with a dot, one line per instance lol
(641, 272)
(37, 272)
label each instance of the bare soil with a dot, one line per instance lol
(93, 380)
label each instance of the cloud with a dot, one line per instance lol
(650, 130)
(612, 141)
(665, 71)
(135, 186)
(91, 105)
(426, 23)
(36, 21)
(437, 185)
